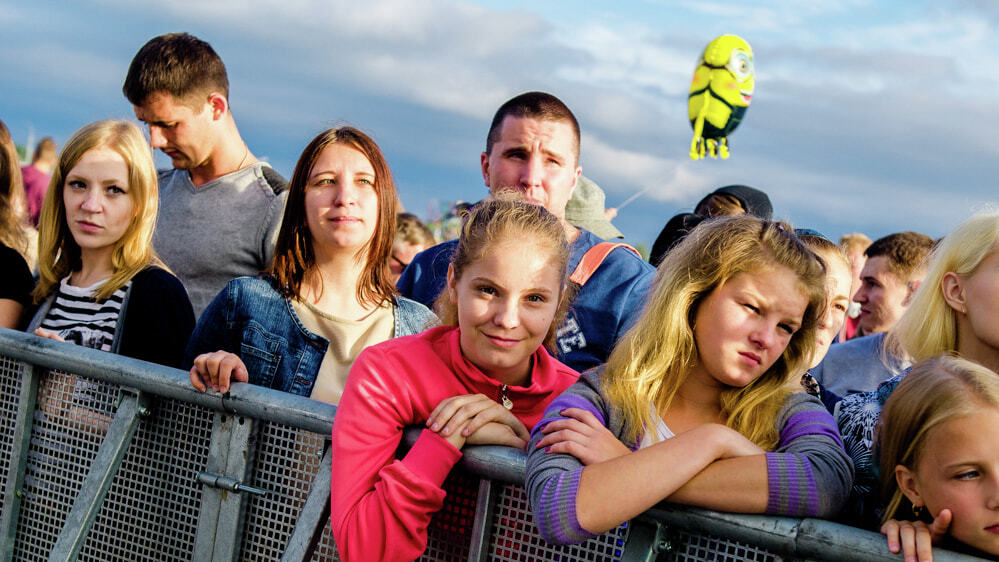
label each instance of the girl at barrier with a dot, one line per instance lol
(952, 312)
(327, 293)
(693, 405)
(100, 283)
(939, 463)
(484, 377)
(16, 282)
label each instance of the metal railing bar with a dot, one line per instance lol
(814, 539)
(95, 486)
(314, 517)
(495, 462)
(243, 399)
(18, 460)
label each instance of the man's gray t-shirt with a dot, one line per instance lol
(221, 230)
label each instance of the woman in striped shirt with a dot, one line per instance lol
(100, 284)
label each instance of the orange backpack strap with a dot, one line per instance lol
(593, 258)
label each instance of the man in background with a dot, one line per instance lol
(220, 207)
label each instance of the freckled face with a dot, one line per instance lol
(743, 326)
(507, 301)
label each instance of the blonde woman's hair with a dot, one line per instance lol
(503, 218)
(928, 327)
(651, 362)
(936, 391)
(58, 252)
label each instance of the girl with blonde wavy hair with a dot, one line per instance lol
(693, 405)
(938, 458)
(100, 283)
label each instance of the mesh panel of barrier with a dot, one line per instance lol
(11, 373)
(326, 550)
(516, 538)
(450, 529)
(688, 547)
(151, 510)
(286, 463)
(70, 421)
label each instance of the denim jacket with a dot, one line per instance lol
(253, 320)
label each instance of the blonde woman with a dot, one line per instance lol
(100, 283)
(693, 405)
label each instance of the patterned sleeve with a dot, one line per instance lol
(857, 417)
(553, 479)
(810, 473)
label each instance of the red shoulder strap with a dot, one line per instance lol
(593, 258)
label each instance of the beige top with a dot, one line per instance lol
(347, 339)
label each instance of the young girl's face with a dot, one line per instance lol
(959, 470)
(507, 300)
(99, 207)
(742, 327)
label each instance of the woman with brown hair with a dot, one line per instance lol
(16, 283)
(326, 295)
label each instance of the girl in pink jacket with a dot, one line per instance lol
(484, 377)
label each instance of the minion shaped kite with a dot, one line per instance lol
(719, 94)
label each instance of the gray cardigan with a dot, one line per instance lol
(809, 473)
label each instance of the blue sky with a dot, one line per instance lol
(867, 116)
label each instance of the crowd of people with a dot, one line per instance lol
(747, 367)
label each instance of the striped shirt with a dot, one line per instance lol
(79, 319)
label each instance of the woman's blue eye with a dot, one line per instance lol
(968, 475)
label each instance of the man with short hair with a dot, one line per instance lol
(37, 175)
(895, 266)
(220, 207)
(533, 147)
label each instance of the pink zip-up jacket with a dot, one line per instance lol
(381, 506)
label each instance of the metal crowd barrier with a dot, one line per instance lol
(111, 458)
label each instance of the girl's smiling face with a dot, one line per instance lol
(958, 469)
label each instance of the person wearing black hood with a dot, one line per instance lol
(724, 201)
